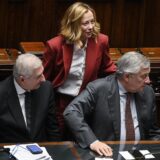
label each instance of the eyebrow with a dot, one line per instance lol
(39, 75)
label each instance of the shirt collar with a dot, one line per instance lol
(84, 47)
(122, 90)
(19, 89)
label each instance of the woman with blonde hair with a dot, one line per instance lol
(78, 55)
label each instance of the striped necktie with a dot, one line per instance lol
(130, 132)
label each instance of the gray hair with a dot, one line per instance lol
(131, 62)
(25, 65)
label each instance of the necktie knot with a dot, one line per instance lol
(128, 98)
(27, 94)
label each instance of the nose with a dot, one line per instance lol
(90, 25)
(147, 80)
(42, 78)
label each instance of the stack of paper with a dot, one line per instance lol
(20, 152)
(128, 156)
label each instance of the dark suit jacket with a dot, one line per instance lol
(101, 101)
(58, 57)
(12, 125)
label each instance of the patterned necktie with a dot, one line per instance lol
(28, 109)
(130, 132)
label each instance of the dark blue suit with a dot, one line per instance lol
(12, 124)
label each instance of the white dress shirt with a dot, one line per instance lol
(123, 96)
(21, 96)
(74, 80)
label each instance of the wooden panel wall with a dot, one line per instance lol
(129, 23)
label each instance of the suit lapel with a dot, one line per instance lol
(114, 107)
(34, 115)
(36, 112)
(67, 57)
(14, 105)
(141, 108)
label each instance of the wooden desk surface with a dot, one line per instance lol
(70, 151)
(114, 54)
(124, 50)
(3, 55)
(32, 47)
(152, 53)
(8, 56)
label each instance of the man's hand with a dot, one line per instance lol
(101, 148)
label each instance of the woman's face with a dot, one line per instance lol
(87, 24)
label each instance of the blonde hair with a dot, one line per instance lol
(71, 22)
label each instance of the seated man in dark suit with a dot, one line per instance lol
(37, 123)
(107, 102)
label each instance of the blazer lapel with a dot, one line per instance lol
(34, 116)
(67, 57)
(14, 105)
(141, 108)
(114, 107)
(91, 58)
(36, 112)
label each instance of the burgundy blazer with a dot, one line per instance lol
(58, 57)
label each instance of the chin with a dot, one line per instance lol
(89, 36)
(141, 89)
(38, 86)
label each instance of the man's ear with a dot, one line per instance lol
(22, 78)
(126, 76)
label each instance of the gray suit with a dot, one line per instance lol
(100, 101)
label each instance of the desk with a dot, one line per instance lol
(127, 146)
(70, 151)
(36, 48)
(7, 60)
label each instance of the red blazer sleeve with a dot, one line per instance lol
(107, 66)
(56, 60)
(48, 62)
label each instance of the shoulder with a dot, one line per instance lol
(6, 85)
(6, 81)
(56, 43)
(147, 95)
(148, 90)
(102, 37)
(56, 40)
(46, 85)
(45, 90)
(103, 83)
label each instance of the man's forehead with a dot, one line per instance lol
(38, 71)
(144, 70)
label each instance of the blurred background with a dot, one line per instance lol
(129, 23)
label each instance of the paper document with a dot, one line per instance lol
(20, 152)
(126, 155)
(147, 154)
